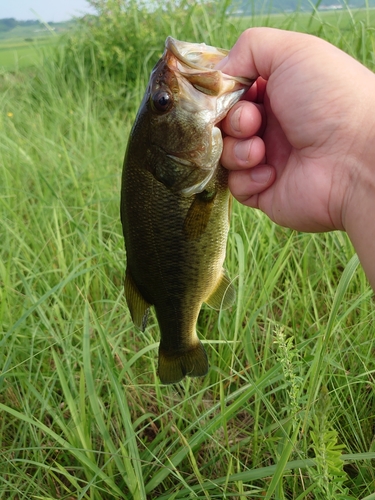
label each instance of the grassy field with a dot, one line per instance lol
(18, 53)
(287, 410)
(23, 46)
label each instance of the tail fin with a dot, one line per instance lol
(174, 366)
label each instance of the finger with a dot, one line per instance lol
(242, 154)
(260, 51)
(243, 120)
(245, 185)
(256, 91)
(261, 89)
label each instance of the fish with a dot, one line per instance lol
(175, 202)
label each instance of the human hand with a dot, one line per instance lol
(312, 108)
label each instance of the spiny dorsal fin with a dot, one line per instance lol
(224, 294)
(138, 307)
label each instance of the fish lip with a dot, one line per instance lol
(195, 58)
(198, 57)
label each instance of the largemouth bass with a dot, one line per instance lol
(175, 202)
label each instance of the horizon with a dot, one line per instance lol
(45, 10)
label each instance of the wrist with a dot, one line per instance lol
(358, 214)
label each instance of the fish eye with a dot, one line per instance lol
(162, 101)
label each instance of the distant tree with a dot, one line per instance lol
(249, 6)
(10, 22)
(7, 24)
(29, 22)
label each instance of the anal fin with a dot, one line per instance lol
(138, 306)
(224, 294)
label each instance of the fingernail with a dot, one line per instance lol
(220, 65)
(260, 175)
(235, 119)
(242, 150)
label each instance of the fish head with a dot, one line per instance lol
(185, 100)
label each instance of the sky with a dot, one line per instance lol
(48, 10)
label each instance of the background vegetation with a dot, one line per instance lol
(277, 6)
(26, 43)
(287, 410)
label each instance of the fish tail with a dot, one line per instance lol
(173, 367)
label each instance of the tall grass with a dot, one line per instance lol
(287, 410)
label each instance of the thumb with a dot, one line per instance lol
(260, 51)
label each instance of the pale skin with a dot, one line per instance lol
(301, 145)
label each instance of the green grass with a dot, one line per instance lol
(26, 46)
(21, 53)
(287, 410)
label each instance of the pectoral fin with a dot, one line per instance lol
(199, 214)
(138, 307)
(223, 296)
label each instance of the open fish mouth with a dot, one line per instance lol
(197, 61)
(195, 55)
